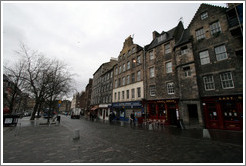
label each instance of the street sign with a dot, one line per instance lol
(59, 101)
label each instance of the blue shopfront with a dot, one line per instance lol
(123, 110)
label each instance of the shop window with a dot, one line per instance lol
(152, 109)
(212, 112)
(229, 111)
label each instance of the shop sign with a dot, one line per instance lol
(170, 101)
(103, 106)
(230, 98)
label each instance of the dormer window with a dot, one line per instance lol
(162, 37)
(204, 15)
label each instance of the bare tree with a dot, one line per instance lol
(43, 78)
(15, 75)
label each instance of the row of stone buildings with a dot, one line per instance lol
(194, 74)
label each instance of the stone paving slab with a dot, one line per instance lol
(105, 143)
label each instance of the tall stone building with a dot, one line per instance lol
(97, 95)
(88, 91)
(106, 92)
(162, 88)
(189, 98)
(128, 88)
(218, 57)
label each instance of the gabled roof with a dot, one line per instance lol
(171, 34)
(185, 37)
(202, 8)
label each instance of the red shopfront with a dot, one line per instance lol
(223, 112)
(164, 110)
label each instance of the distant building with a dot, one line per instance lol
(98, 95)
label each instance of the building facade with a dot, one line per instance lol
(162, 88)
(99, 92)
(128, 86)
(106, 92)
(217, 47)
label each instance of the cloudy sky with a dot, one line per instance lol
(86, 34)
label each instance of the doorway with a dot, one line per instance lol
(193, 115)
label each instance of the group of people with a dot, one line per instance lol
(92, 116)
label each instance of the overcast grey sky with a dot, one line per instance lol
(86, 34)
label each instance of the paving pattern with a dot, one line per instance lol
(111, 143)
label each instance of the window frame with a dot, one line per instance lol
(133, 93)
(204, 15)
(221, 54)
(202, 60)
(152, 90)
(208, 83)
(170, 88)
(200, 34)
(167, 48)
(169, 69)
(215, 27)
(151, 74)
(232, 82)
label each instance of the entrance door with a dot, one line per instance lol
(173, 116)
(193, 115)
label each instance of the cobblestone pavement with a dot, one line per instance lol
(111, 143)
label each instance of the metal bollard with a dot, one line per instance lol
(121, 123)
(206, 134)
(76, 135)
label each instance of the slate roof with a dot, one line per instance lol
(186, 37)
(170, 35)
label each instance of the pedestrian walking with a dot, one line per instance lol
(132, 119)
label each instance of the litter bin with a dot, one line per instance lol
(58, 119)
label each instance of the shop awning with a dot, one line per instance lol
(95, 107)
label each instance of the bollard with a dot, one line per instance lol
(76, 135)
(121, 123)
(150, 126)
(206, 134)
